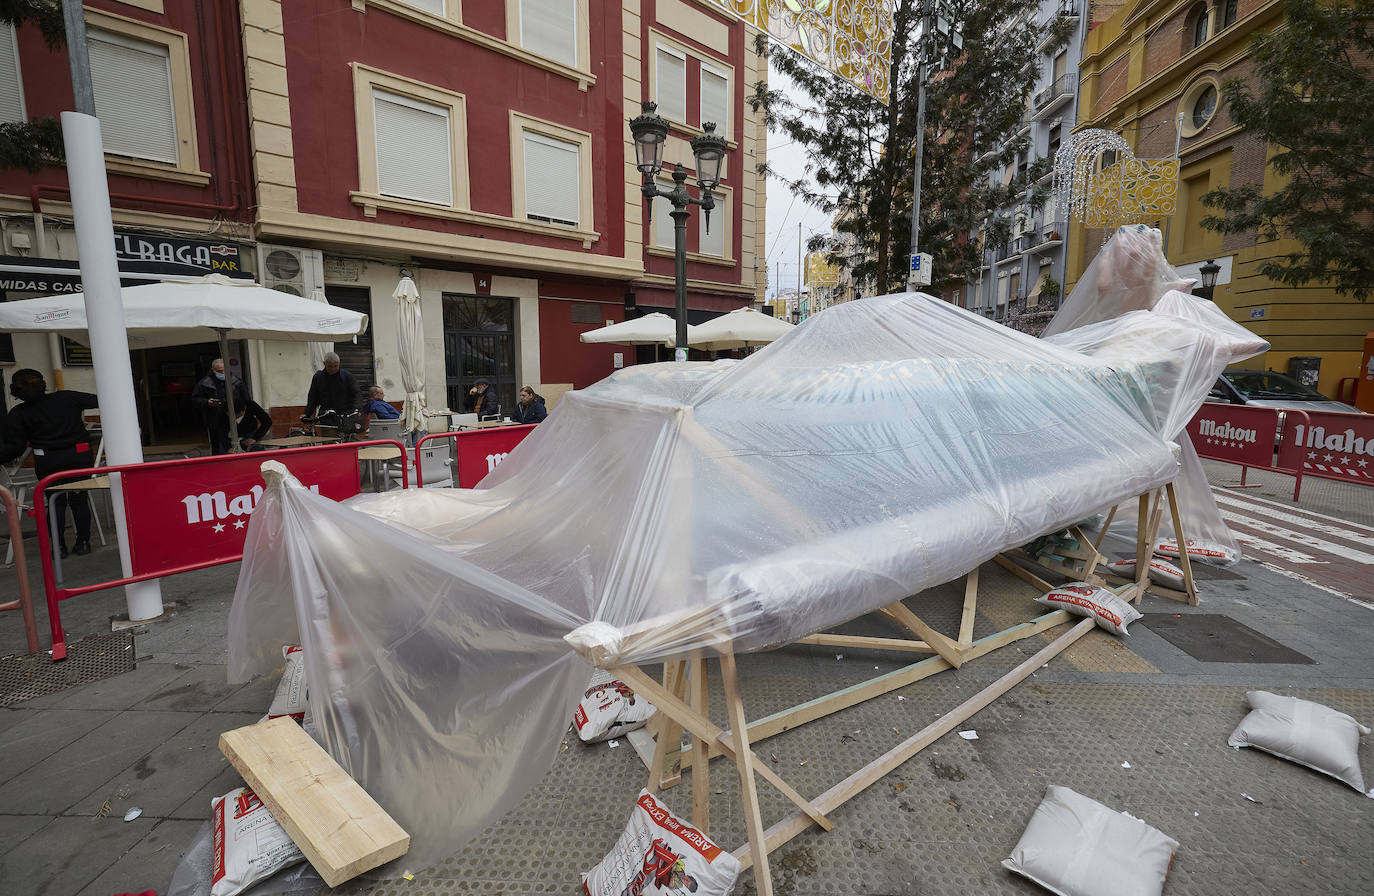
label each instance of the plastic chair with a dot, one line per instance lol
(436, 465)
(20, 483)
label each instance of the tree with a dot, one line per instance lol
(1312, 105)
(33, 144)
(860, 152)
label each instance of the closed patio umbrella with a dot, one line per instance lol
(410, 339)
(740, 328)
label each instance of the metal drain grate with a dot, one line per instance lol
(1213, 638)
(90, 659)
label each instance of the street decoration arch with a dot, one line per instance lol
(1129, 191)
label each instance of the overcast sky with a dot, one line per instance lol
(785, 211)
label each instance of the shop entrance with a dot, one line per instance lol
(479, 341)
(163, 381)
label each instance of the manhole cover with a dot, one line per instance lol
(1213, 638)
(90, 659)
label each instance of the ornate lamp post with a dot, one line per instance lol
(1208, 273)
(650, 132)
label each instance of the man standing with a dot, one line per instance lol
(51, 424)
(483, 401)
(209, 396)
(332, 389)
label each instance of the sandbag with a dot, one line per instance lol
(1304, 732)
(1109, 610)
(291, 698)
(1206, 551)
(249, 844)
(1075, 846)
(608, 709)
(1162, 572)
(659, 853)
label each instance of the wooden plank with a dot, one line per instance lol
(749, 797)
(666, 770)
(943, 645)
(701, 748)
(1107, 524)
(858, 642)
(1189, 584)
(970, 609)
(1093, 559)
(341, 830)
(870, 774)
(1024, 575)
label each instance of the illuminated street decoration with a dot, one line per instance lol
(1129, 191)
(819, 274)
(852, 38)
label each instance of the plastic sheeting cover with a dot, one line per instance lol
(882, 447)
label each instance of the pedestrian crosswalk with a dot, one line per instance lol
(1326, 551)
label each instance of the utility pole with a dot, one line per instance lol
(932, 27)
(799, 268)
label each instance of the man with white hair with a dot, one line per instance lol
(332, 389)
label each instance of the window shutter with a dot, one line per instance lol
(434, 6)
(549, 28)
(414, 149)
(662, 236)
(132, 82)
(715, 101)
(713, 243)
(11, 86)
(552, 191)
(672, 86)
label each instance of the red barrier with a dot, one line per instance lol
(476, 452)
(1328, 445)
(1235, 433)
(192, 513)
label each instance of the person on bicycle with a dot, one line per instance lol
(332, 389)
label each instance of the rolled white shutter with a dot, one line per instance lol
(713, 243)
(414, 149)
(552, 190)
(549, 28)
(715, 100)
(434, 6)
(132, 82)
(11, 86)
(671, 86)
(662, 236)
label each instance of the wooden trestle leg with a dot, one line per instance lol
(749, 797)
(701, 748)
(666, 769)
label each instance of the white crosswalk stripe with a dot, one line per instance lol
(1308, 541)
(1351, 531)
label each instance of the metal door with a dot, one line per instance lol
(479, 343)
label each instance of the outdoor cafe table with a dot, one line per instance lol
(297, 441)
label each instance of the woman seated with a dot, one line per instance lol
(530, 407)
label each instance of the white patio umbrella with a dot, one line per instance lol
(410, 340)
(740, 328)
(211, 307)
(651, 329)
(319, 349)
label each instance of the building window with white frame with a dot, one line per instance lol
(715, 98)
(549, 29)
(11, 82)
(712, 242)
(670, 84)
(553, 189)
(414, 148)
(132, 83)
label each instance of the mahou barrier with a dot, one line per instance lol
(192, 513)
(476, 452)
(1299, 443)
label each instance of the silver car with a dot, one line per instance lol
(1266, 389)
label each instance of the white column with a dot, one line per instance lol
(114, 378)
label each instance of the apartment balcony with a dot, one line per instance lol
(1056, 95)
(1024, 125)
(1068, 9)
(1046, 239)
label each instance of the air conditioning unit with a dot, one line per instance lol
(290, 269)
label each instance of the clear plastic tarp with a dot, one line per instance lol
(881, 448)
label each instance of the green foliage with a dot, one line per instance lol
(1049, 287)
(45, 15)
(1313, 101)
(860, 152)
(32, 145)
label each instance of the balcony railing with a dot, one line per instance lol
(1061, 87)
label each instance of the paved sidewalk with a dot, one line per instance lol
(938, 825)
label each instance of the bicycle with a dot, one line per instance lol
(346, 427)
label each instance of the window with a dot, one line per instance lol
(1200, 26)
(1054, 139)
(661, 236)
(132, 83)
(1228, 16)
(1199, 105)
(551, 180)
(670, 84)
(715, 99)
(414, 149)
(549, 28)
(1014, 285)
(713, 243)
(11, 85)
(1204, 107)
(551, 176)
(431, 6)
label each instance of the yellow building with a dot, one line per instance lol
(1152, 71)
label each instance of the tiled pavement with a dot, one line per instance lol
(938, 825)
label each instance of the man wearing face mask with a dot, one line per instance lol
(208, 395)
(51, 424)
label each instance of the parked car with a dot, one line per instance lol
(1266, 389)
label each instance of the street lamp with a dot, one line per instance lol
(1208, 272)
(650, 132)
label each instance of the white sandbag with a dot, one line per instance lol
(1109, 610)
(249, 844)
(1075, 846)
(291, 696)
(1304, 732)
(659, 853)
(1162, 572)
(608, 709)
(1207, 552)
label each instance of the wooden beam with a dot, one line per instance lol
(970, 609)
(870, 774)
(1024, 575)
(863, 642)
(1189, 584)
(1107, 524)
(749, 796)
(341, 830)
(701, 748)
(666, 770)
(947, 649)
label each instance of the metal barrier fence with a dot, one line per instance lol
(1297, 443)
(474, 452)
(190, 513)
